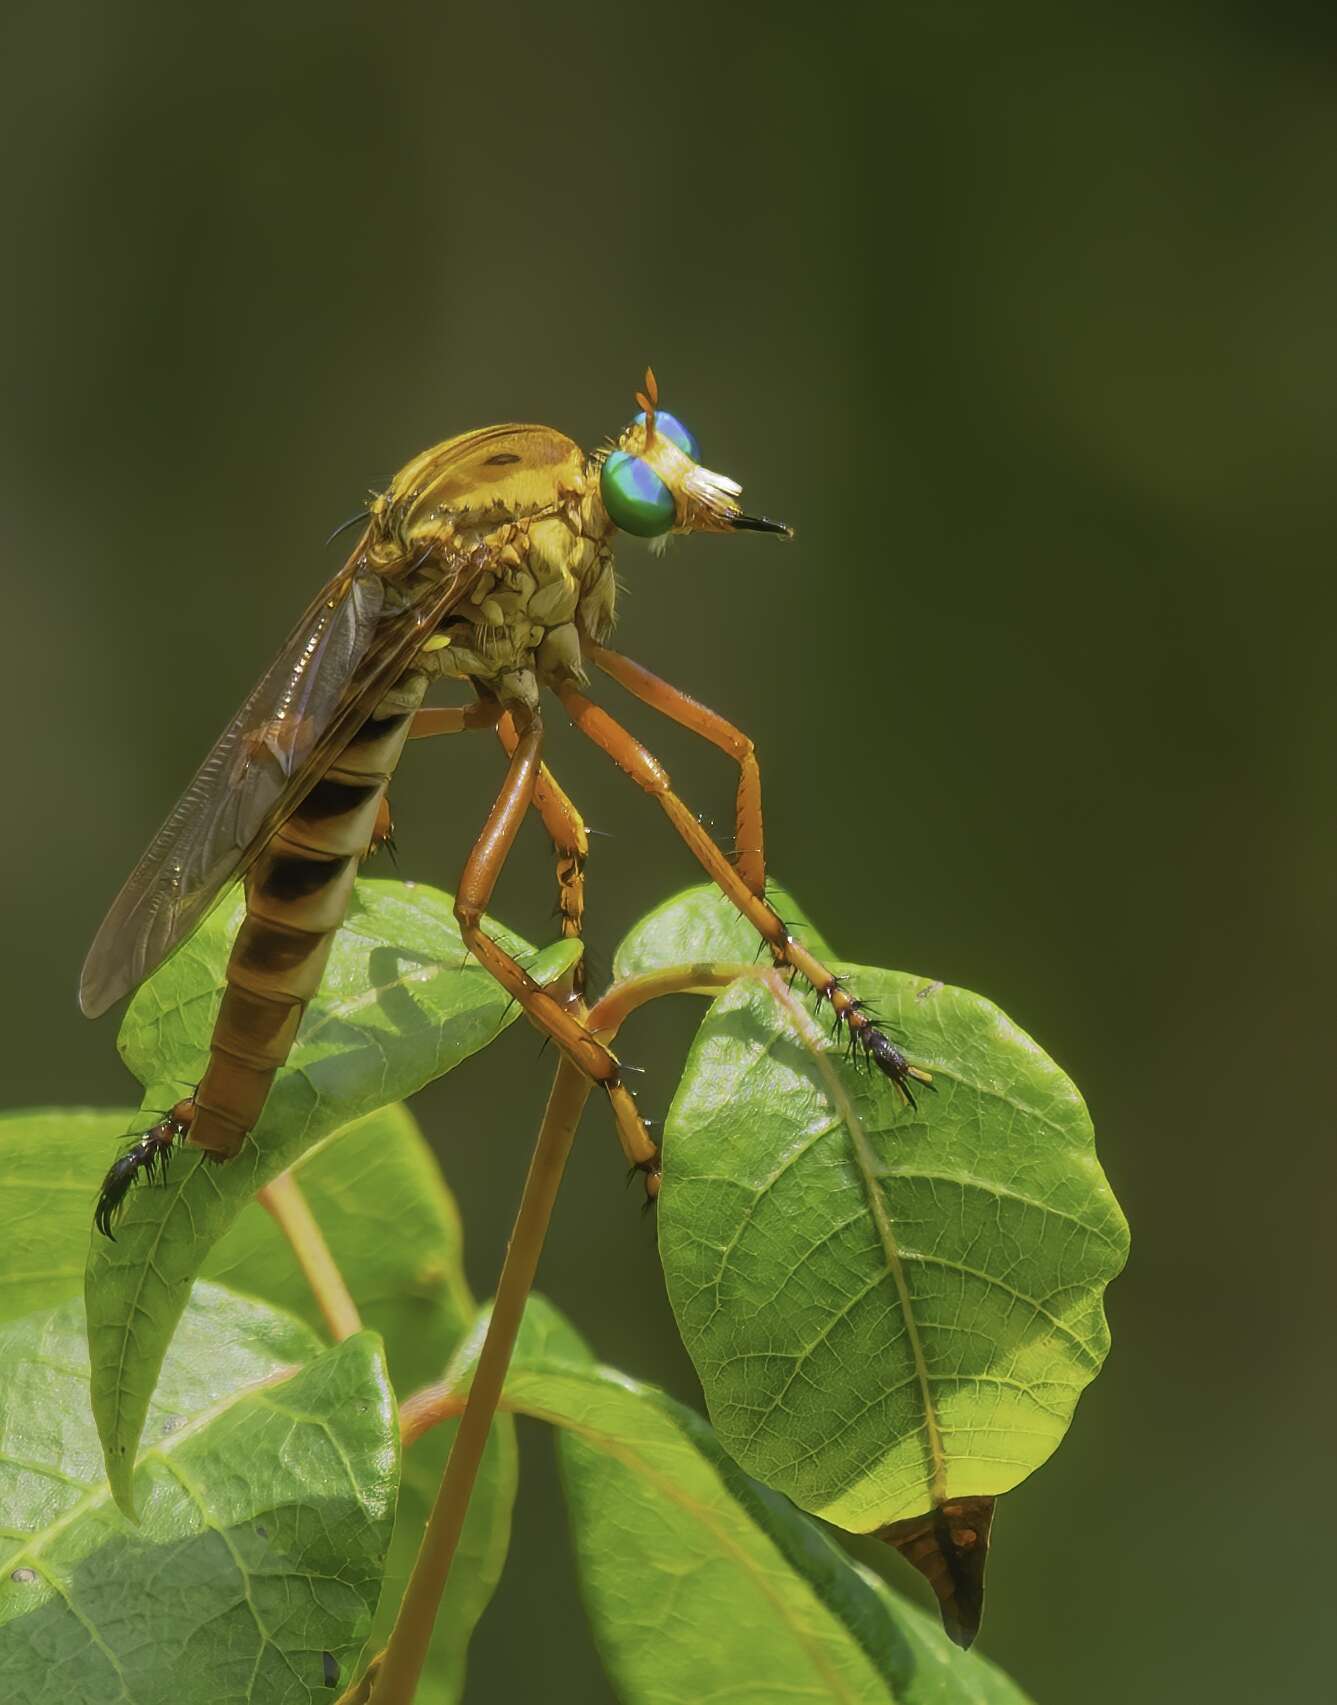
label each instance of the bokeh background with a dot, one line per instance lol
(1025, 318)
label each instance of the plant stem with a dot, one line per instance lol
(392, 1676)
(608, 1013)
(428, 1408)
(401, 1662)
(285, 1201)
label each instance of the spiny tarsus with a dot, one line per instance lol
(866, 1040)
(148, 1157)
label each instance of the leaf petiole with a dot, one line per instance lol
(282, 1198)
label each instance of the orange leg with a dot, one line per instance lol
(749, 841)
(566, 828)
(433, 719)
(454, 718)
(566, 831)
(471, 901)
(648, 773)
(383, 830)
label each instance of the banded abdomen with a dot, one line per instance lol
(297, 893)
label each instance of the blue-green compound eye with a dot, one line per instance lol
(635, 496)
(674, 430)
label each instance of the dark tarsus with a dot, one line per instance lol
(869, 1043)
(148, 1157)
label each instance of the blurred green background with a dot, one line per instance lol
(1025, 318)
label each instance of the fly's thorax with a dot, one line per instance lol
(545, 583)
(473, 482)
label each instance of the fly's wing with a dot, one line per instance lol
(205, 840)
(351, 645)
(343, 655)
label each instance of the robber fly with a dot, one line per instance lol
(488, 561)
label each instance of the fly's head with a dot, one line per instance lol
(653, 483)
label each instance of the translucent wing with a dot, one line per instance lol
(212, 827)
(345, 652)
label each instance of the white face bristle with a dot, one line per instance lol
(715, 491)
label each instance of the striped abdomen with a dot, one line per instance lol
(297, 893)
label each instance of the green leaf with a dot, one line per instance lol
(50, 1159)
(267, 1492)
(377, 1193)
(400, 1005)
(393, 1228)
(885, 1308)
(908, 1648)
(700, 1584)
(701, 925)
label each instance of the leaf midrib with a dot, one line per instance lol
(866, 1161)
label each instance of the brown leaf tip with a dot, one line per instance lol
(949, 1545)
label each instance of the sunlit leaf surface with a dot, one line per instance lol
(51, 1160)
(701, 924)
(266, 1491)
(886, 1308)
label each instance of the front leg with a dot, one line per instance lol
(648, 773)
(679, 707)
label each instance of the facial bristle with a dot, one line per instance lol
(716, 491)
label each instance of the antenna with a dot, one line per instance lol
(649, 401)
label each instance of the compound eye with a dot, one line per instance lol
(674, 430)
(635, 497)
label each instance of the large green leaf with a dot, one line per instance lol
(401, 1004)
(908, 1647)
(267, 1492)
(699, 1583)
(701, 924)
(886, 1308)
(393, 1228)
(50, 1159)
(377, 1193)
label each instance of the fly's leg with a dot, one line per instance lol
(648, 773)
(566, 831)
(148, 1156)
(383, 830)
(432, 720)
(749, 841)
(565, 826)
(454, 719)
(471, 901)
